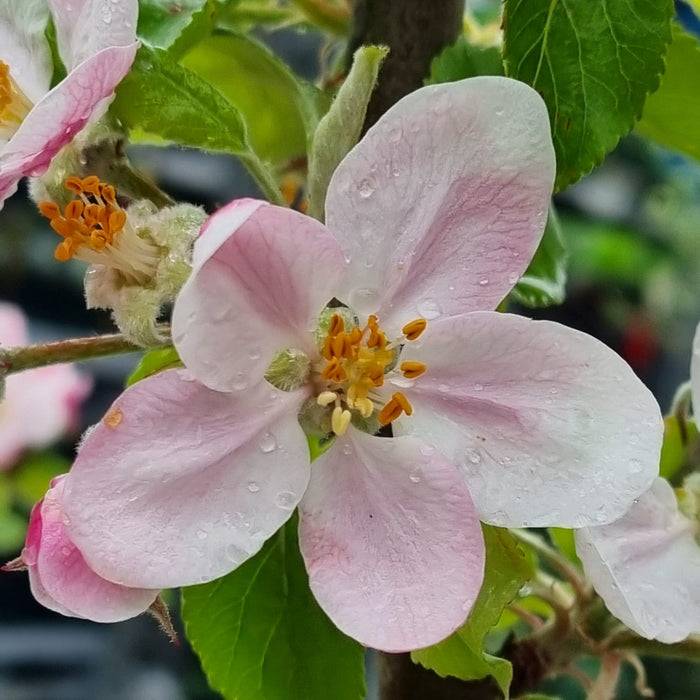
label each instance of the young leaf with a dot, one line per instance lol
(672, 114)
(340, 128)
(593, 63)
(462, 654)
(281, 110)
(674, 448)
(544, 281)
(175, 25)
(164, 99)
(260, 635)
(152, 362)
(464, 60)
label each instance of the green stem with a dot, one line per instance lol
(263, 177)
(326, 15)
(629, 641)
(22, 358)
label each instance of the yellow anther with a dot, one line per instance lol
(334, 371)
(74, 184)
(365, 407)
(377, 339)
(355, 336)
(49, 210)
(14, 104)
(340, 420)
(411, 370)
(337, 325)
(339, 345)
(74, 209)
(396, 405)
(413, 329)
(325, 398)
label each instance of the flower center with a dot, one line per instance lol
(96, 229)
(14, 104)
(354, 365)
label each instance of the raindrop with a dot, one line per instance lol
(253, 487)
(635, 466)
(365, 188)
(401, 264)
(444, 388)
(483, 281)
(429, 309)
(363, 297)
(267, 443)
(202, 534)
(395, 134)
(66, 551)
(474, 456)
(395, 172)
(478, 387)
(369, 263)
(347, 449)
(499, 112)
(240, 382)
(414, 477)
(286, 500)
(254, 354)
(233, 553)
(107, 17)
(451, 288)
(513, 277)
(427, 450)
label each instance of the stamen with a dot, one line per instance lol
(325, 398)
(413, 329)
(340, 420)
(403, 402)
(14, 104)
(336, 326)
(396, 405)
(411, 370)
(96, 230)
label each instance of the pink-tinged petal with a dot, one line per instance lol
(391, 541)
(52, 123)
(695, 374)
(442, 204)
(262, 274)
(646, 566)
(179, 484)
(62, 581)
(548, 425)
(24, 46)
(13, 326)
(86, 27)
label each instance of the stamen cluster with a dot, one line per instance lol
(356, 362)
(14, 104)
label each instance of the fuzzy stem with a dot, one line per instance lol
(263, 178)
(18, 359)
(605, 684)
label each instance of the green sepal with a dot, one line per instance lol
(153, 362)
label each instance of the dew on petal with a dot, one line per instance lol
(286, 500)
(429, 309)
(474, 456)
(365, 188)
(483, 281)
(253, 487)
(478, 387)
(201, 534)
(267, 443)
(363, 297)
(347, 449)
(395, 134)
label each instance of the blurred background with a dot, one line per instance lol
(633, 281)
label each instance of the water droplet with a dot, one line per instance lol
(474, 456)
(635, 466)
(369, 263)
(253, 487)
(254, 354)
(365, 188)
(483, 281)
(513, 277)
(373, 168)
(451, 288)
(267, 443)
(478, 387)
(395, 172)
(364, 297)
(347, 449)
(401, 264)
(286, 500)
(429, 309)
(426, 450)
(444, 388)
(233, 553)
(65, 519)
(66, 551)
(240, 382)
(202, 534)
(107, 17)
(395, 134)
(499, 112)
(515, 253)
(414, 477)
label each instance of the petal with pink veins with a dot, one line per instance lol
(262, 274)
(548, 425)
(180, 484)
(646, 566)
(24, 46)
(59, 577)
(391, 541)
(83, 95)
(86, 27)
(442, 204)
(695, 374)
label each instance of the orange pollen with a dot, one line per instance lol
(356, 362)
(14, 104)
(413, 329)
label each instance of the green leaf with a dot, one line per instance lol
(152, 362)
(281, 110)
(260, 635)
(673, 450)
(544, 281)
(672, 114)
(462, 654)
(175, 24)
(464, 60)
(593, 63)
(33, 475)
(340, 128)
(13, 527)
(564, 541)
(165, 100)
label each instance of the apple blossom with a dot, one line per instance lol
(646, 565)
(97, 43)
(140, 256)
(431, 218)
(58, 575)
(39, 405)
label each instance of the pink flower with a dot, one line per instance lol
(40, 405)
(646, 565)
(96, 42)
(433, 216)
(58, 575)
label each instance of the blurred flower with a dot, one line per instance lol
(58, 575)
(39, 405)
(97, 44)
(192, 470)
(646, 565)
